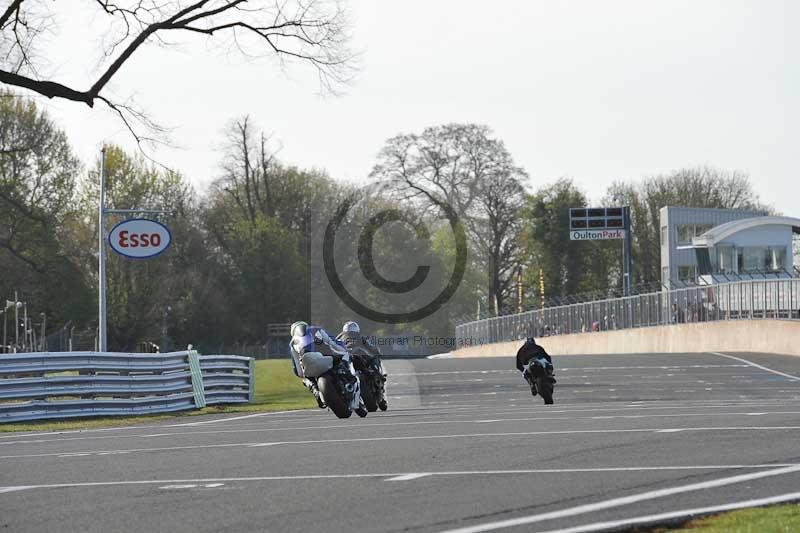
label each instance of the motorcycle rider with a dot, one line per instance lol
(368, 356)
(352, 339)
(309, 339)
(528, 351)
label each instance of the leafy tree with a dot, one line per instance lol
(568, 267)
(462, 166)
(37, 182)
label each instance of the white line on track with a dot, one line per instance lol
(456, 410)
(404, 438)
(396, 476)
(624, 500)
(218, 420)
(409, 477)
(366, 426)
(685, 513)
(756, 365)
(563, 369)
(430, 410)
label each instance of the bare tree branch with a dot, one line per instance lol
(309, 31)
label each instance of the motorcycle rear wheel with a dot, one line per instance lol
(331, 395)
(546, 390)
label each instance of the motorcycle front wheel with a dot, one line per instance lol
(327, 387)
(368, 393)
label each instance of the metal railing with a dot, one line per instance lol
(753, 299)
(50, 385)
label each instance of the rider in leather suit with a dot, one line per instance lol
(310, 339)
(351, 338)
(528, 351)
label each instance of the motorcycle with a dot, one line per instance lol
(340, 389)
(372, 378)
(539, 375)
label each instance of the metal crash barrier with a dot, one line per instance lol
(58, 385)
(751, 299)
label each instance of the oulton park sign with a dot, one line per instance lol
(596, 234)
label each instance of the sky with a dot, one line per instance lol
(594, 91)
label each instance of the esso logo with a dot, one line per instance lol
(139, 238)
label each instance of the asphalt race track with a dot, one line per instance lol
(464, 447)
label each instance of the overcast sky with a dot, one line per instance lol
(596, 91)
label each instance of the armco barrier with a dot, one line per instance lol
(57, 385)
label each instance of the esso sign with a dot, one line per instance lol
(139, 238)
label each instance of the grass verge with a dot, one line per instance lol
(774, 519)
(277, 389)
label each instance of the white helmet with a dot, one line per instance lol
(351, 327)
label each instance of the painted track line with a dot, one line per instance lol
(90, 453)
(756, 365)
(624, 500)
(396, 476)
(247, 429)
(685, 513)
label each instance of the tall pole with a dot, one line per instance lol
(101, 311)
(25, 334)
(43, 337)
(16, 322)
(627, 245)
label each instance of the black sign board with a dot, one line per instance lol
(596, 218)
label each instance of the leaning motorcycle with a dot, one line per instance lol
(539, 373)
(373, 379)
(341, 390)
(337, 381)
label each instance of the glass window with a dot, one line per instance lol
(685, 234)
(704, 262)
(726, 255)
(754, 258)
(776, 258)
(701, 228)
(687, 274)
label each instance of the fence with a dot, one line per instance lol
(49, 385)
(756, 299)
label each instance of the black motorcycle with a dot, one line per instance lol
(539, 375)
(373, 379)
(341, 390)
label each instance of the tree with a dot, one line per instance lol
(259, 198)
(687, 187)
(461, 166)
(308, 31)
(37, 183)
(568, 267)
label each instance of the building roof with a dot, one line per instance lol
(719, 233)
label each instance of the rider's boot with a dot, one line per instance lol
(315, 391)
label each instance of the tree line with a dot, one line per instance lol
(243, 250)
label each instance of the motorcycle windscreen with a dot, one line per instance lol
(315, 364)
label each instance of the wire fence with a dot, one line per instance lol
(753, 299)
